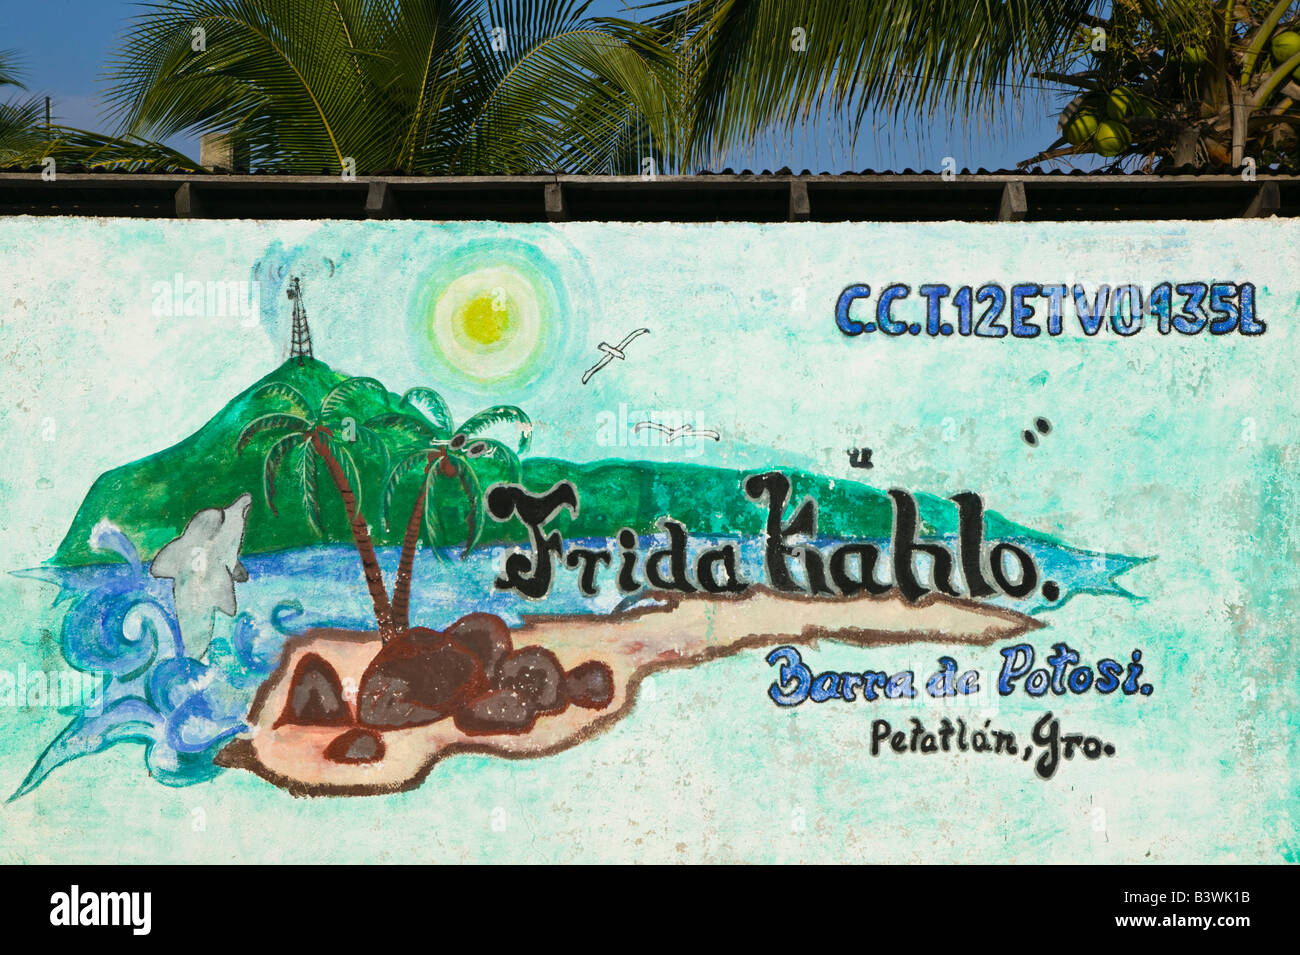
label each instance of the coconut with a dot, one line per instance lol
(1112, 138)
(1284, 46)
(1081, 128)
(1121, 103)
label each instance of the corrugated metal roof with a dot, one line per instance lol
(1185, 170)
(905, 196)
(783, 172)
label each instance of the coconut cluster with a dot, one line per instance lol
(1098, 121)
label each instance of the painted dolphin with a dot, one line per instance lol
(203, 564)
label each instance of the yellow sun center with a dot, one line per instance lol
(488, 323)
(485, 319)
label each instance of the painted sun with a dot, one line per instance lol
(488, 323)
(488, 315)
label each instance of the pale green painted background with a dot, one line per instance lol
(1151, 454)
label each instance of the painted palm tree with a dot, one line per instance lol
(440, 452)
(306, 435)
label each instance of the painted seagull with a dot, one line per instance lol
(684, 431)
(203, 564)
(612, 352)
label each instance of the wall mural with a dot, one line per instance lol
(725, 542)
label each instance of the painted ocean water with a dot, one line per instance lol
(121, 626)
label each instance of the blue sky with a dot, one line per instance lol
(66, 47)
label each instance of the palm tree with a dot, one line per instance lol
(314, 434)
(1211, 82)
(436, 448)
(413, 86)
(1198, 81)
(19, 118)
(459, 86)
(26, 140)
(747, 67)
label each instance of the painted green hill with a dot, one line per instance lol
(152, 499)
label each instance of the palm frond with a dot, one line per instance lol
(307, 460)
(564, 89)
(425, 49)
(431, 523)
(409, 428)
(294, 78)
(348, 465)
(10, 69)
(430, 404)
(375, 444)
(285, 391)
(754, 65)
(271, 465)
(394, 480)
(22, 138)
(500, 414)
(488, 449)
(20, 120)
(102, 152)
(277, 421)
(474, 495)
(349, 388)
(419, 86)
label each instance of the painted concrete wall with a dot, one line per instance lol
(1138, 453)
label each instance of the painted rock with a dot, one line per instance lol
(356, 746)
(501, 711)
(590, 685)
(418, 678)
(536, 674)
(486, 636)
(315, 696)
